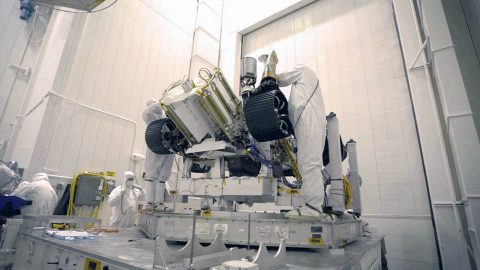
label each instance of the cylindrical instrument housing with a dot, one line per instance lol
(336, 195)
(248, 71)
(354, 177)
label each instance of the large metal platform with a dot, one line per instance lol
(130, 250)
(244, 228)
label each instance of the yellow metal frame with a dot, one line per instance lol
(71, 205)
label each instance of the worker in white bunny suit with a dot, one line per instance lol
(124, 201)
(306, 112)
(157, 167)
(40, 192)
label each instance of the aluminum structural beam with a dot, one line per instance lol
(438, 93)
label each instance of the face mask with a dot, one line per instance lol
(129, 183)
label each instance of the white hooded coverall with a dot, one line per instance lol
(307, 114)
(124, 202)
(157, 167)
(7, 179)
(40, 192)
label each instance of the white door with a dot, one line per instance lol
(354, 49)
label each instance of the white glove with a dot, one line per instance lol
(123, 190)
(137, 187)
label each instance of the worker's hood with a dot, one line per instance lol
(128, 178)
(128, 175)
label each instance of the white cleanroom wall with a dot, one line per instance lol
(126, 56)
(445, 103)
(30, 117)
(119, 58)
(241, 16)
(19, 46)
(354, 48)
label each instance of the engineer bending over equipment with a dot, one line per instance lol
(307, 114)
(40, 192)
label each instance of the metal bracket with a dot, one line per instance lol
(168, 256)
(23, 71)
(204, 256)
(265, 262)
(214, 254)
(420, 51)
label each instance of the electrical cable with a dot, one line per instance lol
(293, 161)
(72, 210)
(256, 154)
(34, 107)
(29, 35)
(71, 207)
(170, 87)
(347, 190)
(306, 103)
(71, 11)
(10, 92)
(176, 163)
(207, 71)
(34, 25)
